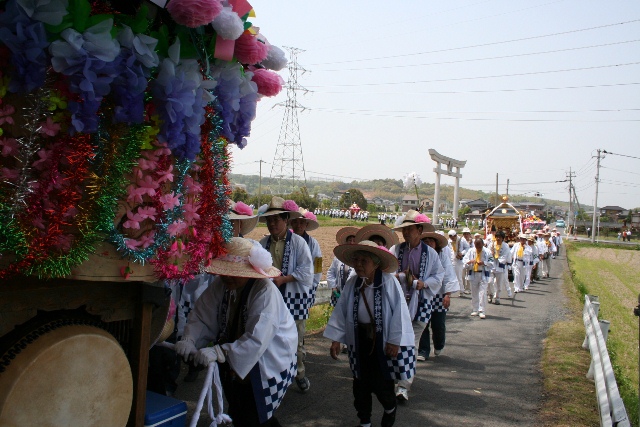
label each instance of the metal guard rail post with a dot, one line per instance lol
(610, 405)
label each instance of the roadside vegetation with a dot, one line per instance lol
(610, 272)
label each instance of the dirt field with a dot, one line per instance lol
(326, 236)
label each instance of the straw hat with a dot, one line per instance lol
(277, 206)
(244, 258)
(466, 230)
(411, 218)
(522, 236)
(531, 238)
(440, 238)
(312, 220)
(344, 233)
(388, 262)
(241, 212)
(389, 236)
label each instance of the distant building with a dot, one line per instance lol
(409, 202)
(613, 212)
(478, 205)
(528, 208)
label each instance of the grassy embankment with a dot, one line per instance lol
(610, 272)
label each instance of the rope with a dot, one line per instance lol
(213, 378)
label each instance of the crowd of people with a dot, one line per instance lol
(354, 214)
(248, 312)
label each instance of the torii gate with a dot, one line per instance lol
(450, 163)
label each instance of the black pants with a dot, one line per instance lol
(439, 329)
(242, 404)
(372, 380)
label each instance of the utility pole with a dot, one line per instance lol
(595, 202)
(571, 214)
(497, 196)
(507, 186)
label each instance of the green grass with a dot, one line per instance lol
(318, 317)
(611, 274)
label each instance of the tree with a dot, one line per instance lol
(239, 195)
(302, 199)
(463, 211)
(352, 196)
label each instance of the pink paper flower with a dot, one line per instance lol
(134, 220)
(249, 50)
(145, 164)
(290, 205)
(50, 127)
(311, 216)
(194, 13)
(190, 214)
(9, 146)
(134, 194)
(147, 239)
(147, 213)
(148, 186)
(5, 114)
(269, 83)
(193, 187)
(44, 157)
(422, 218)
(169, 201)
(176, 228)
(166, 175)
(242, 209)
(132, 243)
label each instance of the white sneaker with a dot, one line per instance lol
(481, 315)
(467, 291)
(402, 394)
(496, 301)
(474, 313)
(438, 352)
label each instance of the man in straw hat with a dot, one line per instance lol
(377, 233)
(535, 259)
(254, 335)
(242, 219)
(442, 300)
(521, 255)
(478, 262)
(309, 222)
(339, 272)
(420, 274)
(291, 255)
(551, 249)
(372, 319)
(459, 247)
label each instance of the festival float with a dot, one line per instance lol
(116, 121)
(506, 218)
(533, 223)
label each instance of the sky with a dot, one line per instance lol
(526, 89)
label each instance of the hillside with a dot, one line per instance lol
(390, 189)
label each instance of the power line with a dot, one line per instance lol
(477, 119)
(481, 59)
(621, 155)
(480, 112)
(596, 67)
(620, 170)
(483, 44)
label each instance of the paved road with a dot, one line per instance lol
(488, 374)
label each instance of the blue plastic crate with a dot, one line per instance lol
(164, 411)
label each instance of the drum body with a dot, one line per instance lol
(73, 375)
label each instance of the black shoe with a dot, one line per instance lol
(389, 419)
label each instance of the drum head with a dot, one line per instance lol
(75, 375)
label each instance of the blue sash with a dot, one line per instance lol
(423, 313)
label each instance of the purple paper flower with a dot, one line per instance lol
(28, 43)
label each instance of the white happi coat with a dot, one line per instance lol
(503, 259)
(297, 294)
(266, 350)
(420, 301)
(485, 270)
(463, 248)
(449, 282)
(397, 328)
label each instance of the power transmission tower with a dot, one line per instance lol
(288, 164)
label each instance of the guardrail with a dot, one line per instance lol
(610, 405)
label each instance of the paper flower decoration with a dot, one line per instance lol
(194, 13)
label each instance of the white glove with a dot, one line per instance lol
(186, 347)
(208, 355)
